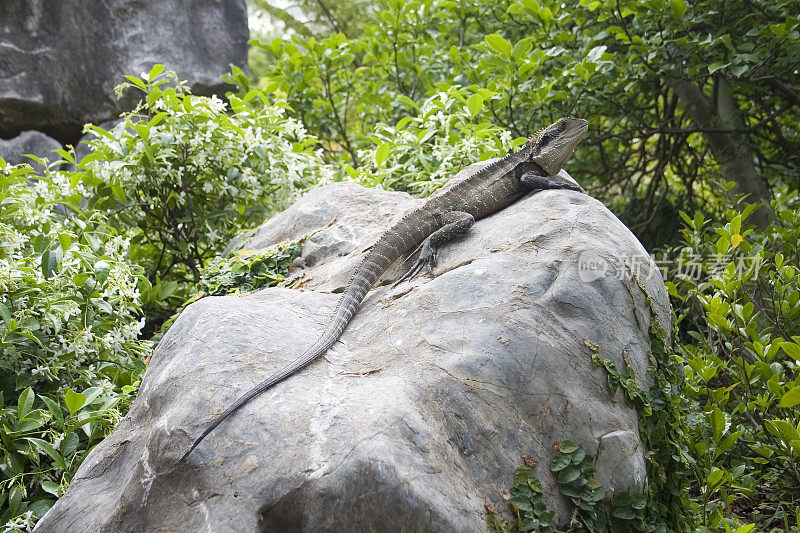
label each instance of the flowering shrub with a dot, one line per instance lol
(182, 174)
(69, 319)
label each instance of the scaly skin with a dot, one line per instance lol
(447, 214)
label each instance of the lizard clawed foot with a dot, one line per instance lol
(537, 182)
(426, 257)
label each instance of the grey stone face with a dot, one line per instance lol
(60, 60)
(419, 415)
(14, 151)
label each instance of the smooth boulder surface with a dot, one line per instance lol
(60, 60)
(14, 151)
(418, 417)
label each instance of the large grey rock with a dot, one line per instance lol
(14, 150)
(60, 61)
(418, 416)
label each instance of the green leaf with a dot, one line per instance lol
(722, 245)
(51, 487)
(778, 29)
(560, 461)
(569, 474)
(738, 70)
(47, 448)
(260, 152)
(50, 260)
(54, 409)
(136, 81)
(715, 478)
(521, 49)
(498, 44)
(545, 13)
(717, 424)
(5, 314)
(25, 403)
(382, 153)
(625, 513)
(474, 104)
(578, 456)
(713, 67)
(783, 429)
(791, 398)
(638, 501)
(571, 491)
(521, 475)
(567, 446)
(15, 499)
(70, 444)
(101, 270)
(155, 71)
(74, 401)
(596, 53)
(119, 193)
(678, 8)
(102, 305)
(726, 443)
(65, 241)
(92, 393)
(40, 507)
(736, 224)
(408, 101)
(792, 349)
(524, 506)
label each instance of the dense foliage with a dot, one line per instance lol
(681, 98)
(676, 94)
(739, 315)
(181, 173)
(573, 469)
(69, 328)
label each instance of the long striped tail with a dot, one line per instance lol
(274, 379)
(356, 290)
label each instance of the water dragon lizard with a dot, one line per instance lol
(444, 216)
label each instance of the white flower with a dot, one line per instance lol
(216, 104)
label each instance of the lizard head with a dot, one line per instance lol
(552, 146)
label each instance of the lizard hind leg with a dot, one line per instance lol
(456, 224)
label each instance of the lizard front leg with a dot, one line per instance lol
(532, 176)
(455, 224)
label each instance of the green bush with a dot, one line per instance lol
(737, 300)
(182, 174)
(421, 153)
(69, 326)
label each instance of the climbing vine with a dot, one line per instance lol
(661, 506)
